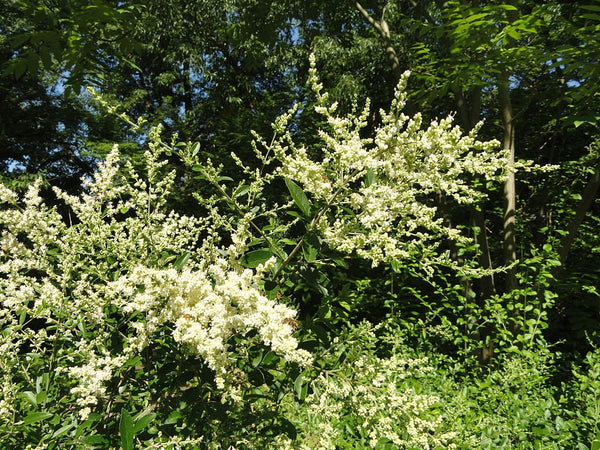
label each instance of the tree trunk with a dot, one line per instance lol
(509, 239)
(382, 26)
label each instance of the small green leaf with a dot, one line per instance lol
(36, 417)
(370, 178)
(181, 261)
(300, 387)
(590, 7)
(41, 397)
(241, 190)
(62, 430)
(143, 422)
(254, 258)
(508, 7)
(19, 68)
(514, 34)
(173, 417)
(345, 305)
(126, 430)
(29, 396)
(310, 248)
(299, 197)
(94, 439)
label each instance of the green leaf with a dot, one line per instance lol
(126, 430)
(514, 34)
(507, 7)
(29, 396)
(241, 190)
(254, 258)
(300, 387)
(195, 149)
(173, 417)
(310, 247)
(590, 7)
(370, 178)
(41, 397)
(181, 261)
(36, 417)
(143, 422)
(299, 197)
(287, 241)
(62, 430)
(94, 439)
(19, 68)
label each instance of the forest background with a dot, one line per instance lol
(490, 341)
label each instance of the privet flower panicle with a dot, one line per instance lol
(369, 399)
(393, 183)
(106, 285)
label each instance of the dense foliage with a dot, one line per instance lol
(283, 224)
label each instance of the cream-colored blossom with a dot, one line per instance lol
(392, 183)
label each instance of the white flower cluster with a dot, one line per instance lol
(370, 400)
(207, 307)
(380, 196)
(99, 288)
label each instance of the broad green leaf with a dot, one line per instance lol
(310, 247)
(514, 34)
(126, 430)
(299, 197)
(173, 418)
(41, 397)
(36, 417)
(309, 252)
(287, 241)
(591, 16)
(254, 258)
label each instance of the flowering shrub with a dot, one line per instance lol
(361, 400)
(121, 318)
(376, 197)
(82, 302)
